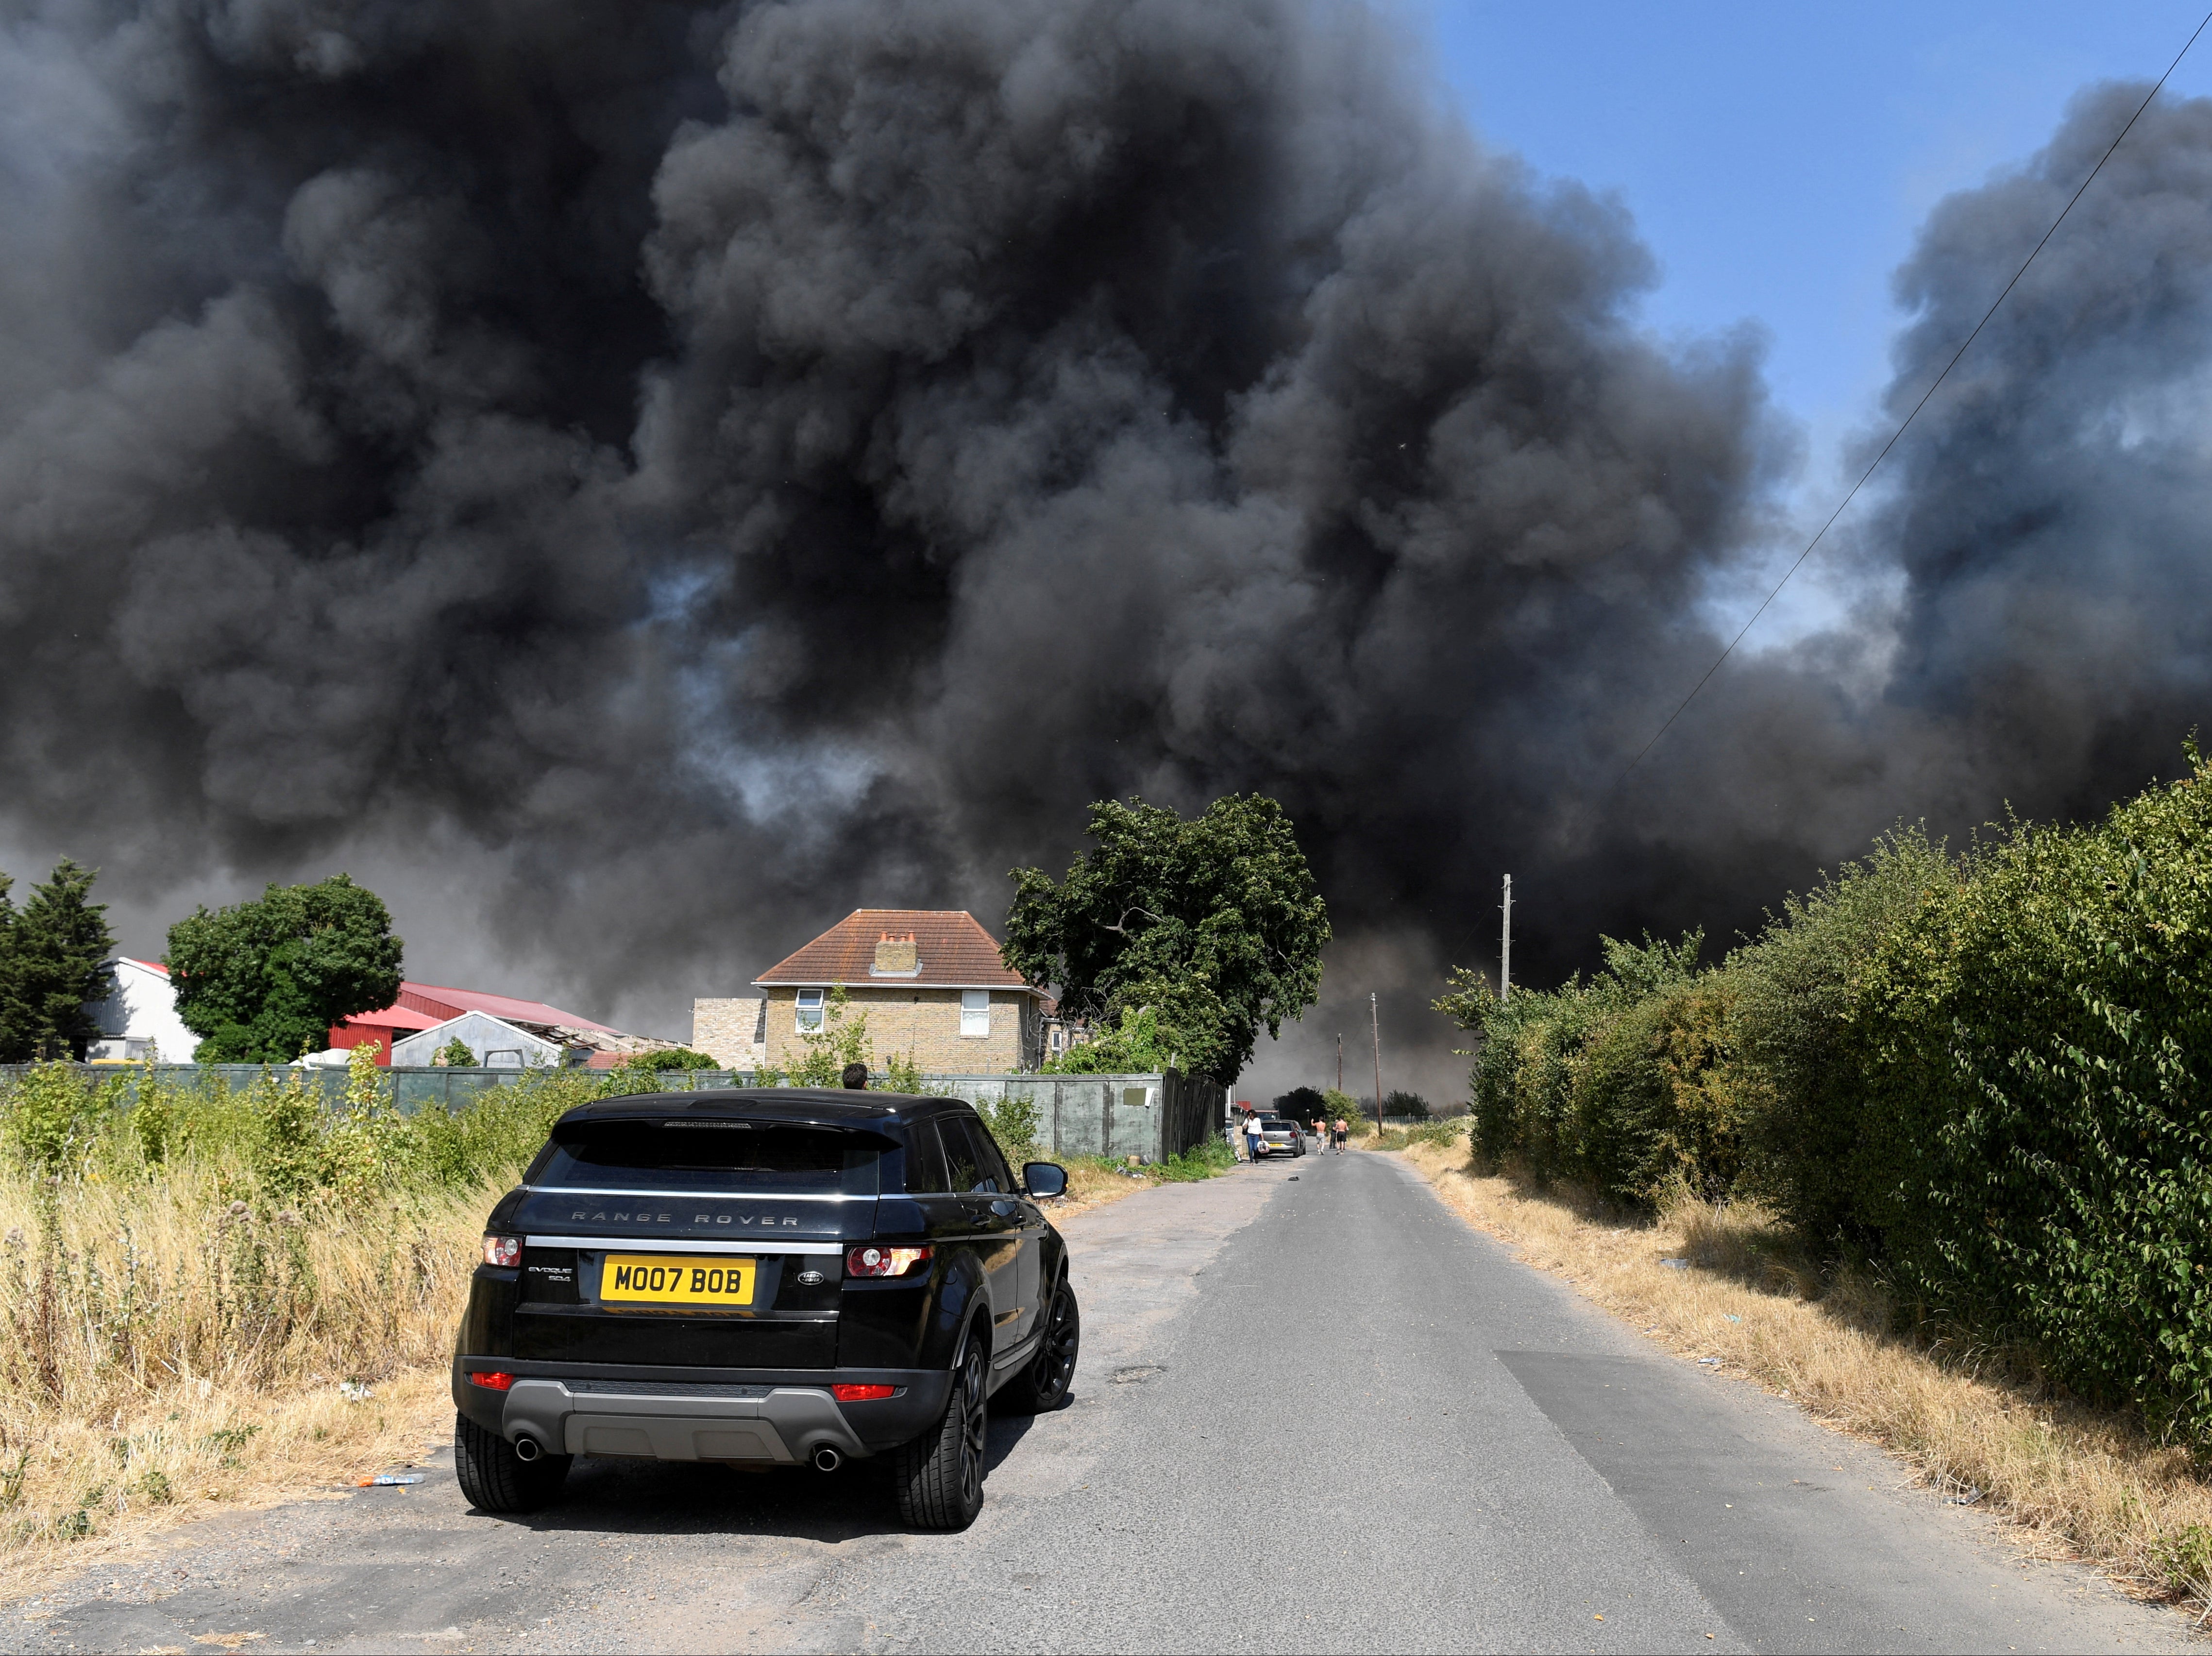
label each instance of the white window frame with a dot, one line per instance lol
(803, 1005)
(975, 1013)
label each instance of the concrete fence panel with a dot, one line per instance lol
(1149, 1115)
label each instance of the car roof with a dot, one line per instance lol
(812, 1106)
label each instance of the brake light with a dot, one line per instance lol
(494, 1381)
(883, 1262)
(861, 1393)
(502, 1250)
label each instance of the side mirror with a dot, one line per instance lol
(1044, 1179)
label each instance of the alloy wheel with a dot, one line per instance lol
(972, 1429)
(1056, 1362)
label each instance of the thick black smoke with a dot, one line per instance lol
(637, 481)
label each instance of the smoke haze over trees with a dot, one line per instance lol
(639, 481)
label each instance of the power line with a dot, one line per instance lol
(1917, 406)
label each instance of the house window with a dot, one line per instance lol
(810, 1010)
(975, 1011)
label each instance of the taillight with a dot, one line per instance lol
(861, 1393)
(502, 1250)
(883, 1262)
(494, 1381)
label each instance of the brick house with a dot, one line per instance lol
(930, 980)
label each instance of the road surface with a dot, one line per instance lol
(1315, 1412)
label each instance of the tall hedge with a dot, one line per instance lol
(2034, 1043)
(1626, 1082)
(1990, 1073)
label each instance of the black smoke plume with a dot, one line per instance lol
(635, 482)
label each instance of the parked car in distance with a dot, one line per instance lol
(775, 1277)
(1279, 1137)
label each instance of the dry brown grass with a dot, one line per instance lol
(1093, 1183)
(172, 1352)
(2077, 1482)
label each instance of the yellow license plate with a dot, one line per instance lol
(676, 1280)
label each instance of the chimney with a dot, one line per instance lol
(895, 957)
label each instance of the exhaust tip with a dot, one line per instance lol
(527, 1447)
(827, 1459)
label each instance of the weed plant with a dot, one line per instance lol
(182, 1264)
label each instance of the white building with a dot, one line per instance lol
(138, 1018)
(495, 1043)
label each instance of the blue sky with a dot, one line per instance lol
(1777, 158)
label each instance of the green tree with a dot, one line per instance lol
(1214, 925)
(1342, 1107)
(1138, 1045)
(456, 1054)
(842, 1039)
(52, 963)
(1302, 1104)
(264, 982)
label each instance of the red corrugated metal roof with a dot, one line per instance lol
(435, 1003)
(955, 952)
(397, 1017)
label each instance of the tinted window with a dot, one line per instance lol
(770, 1156)
(995, 1161)
(924, 1162)
(972, 1159)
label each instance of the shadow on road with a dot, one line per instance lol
(613, 1497)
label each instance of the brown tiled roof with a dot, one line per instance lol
(955, 952)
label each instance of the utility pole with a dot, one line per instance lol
(1340, 1062)
(1375, 1019)
(1505, 947)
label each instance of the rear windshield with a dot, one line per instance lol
(770, 1158)
(1274, 1127)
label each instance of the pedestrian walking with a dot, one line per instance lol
(1252, 1136)
(1343, 1132)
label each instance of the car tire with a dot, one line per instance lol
(497, 1480)
(939, 1476)
(1043, 1383)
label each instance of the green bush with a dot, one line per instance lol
(1797, 1024)
(51, 1118)
(2034, 1152)
(1991, 1075)
(1013, 1122)
(1202, 1160)
(1627, 1083)
(680, 1057)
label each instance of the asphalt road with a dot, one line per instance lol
(1315, 1412)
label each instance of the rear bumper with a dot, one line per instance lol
(731, 1415)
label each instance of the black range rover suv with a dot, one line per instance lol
(774, 1276)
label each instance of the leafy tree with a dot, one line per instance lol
(1395, 1103)
(1214, 925)
(456, 1054)
(53, 956)
(1138, 1045)
(264, 982)
(1342, 1107)
(842, 1039)
(1304, 1104)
